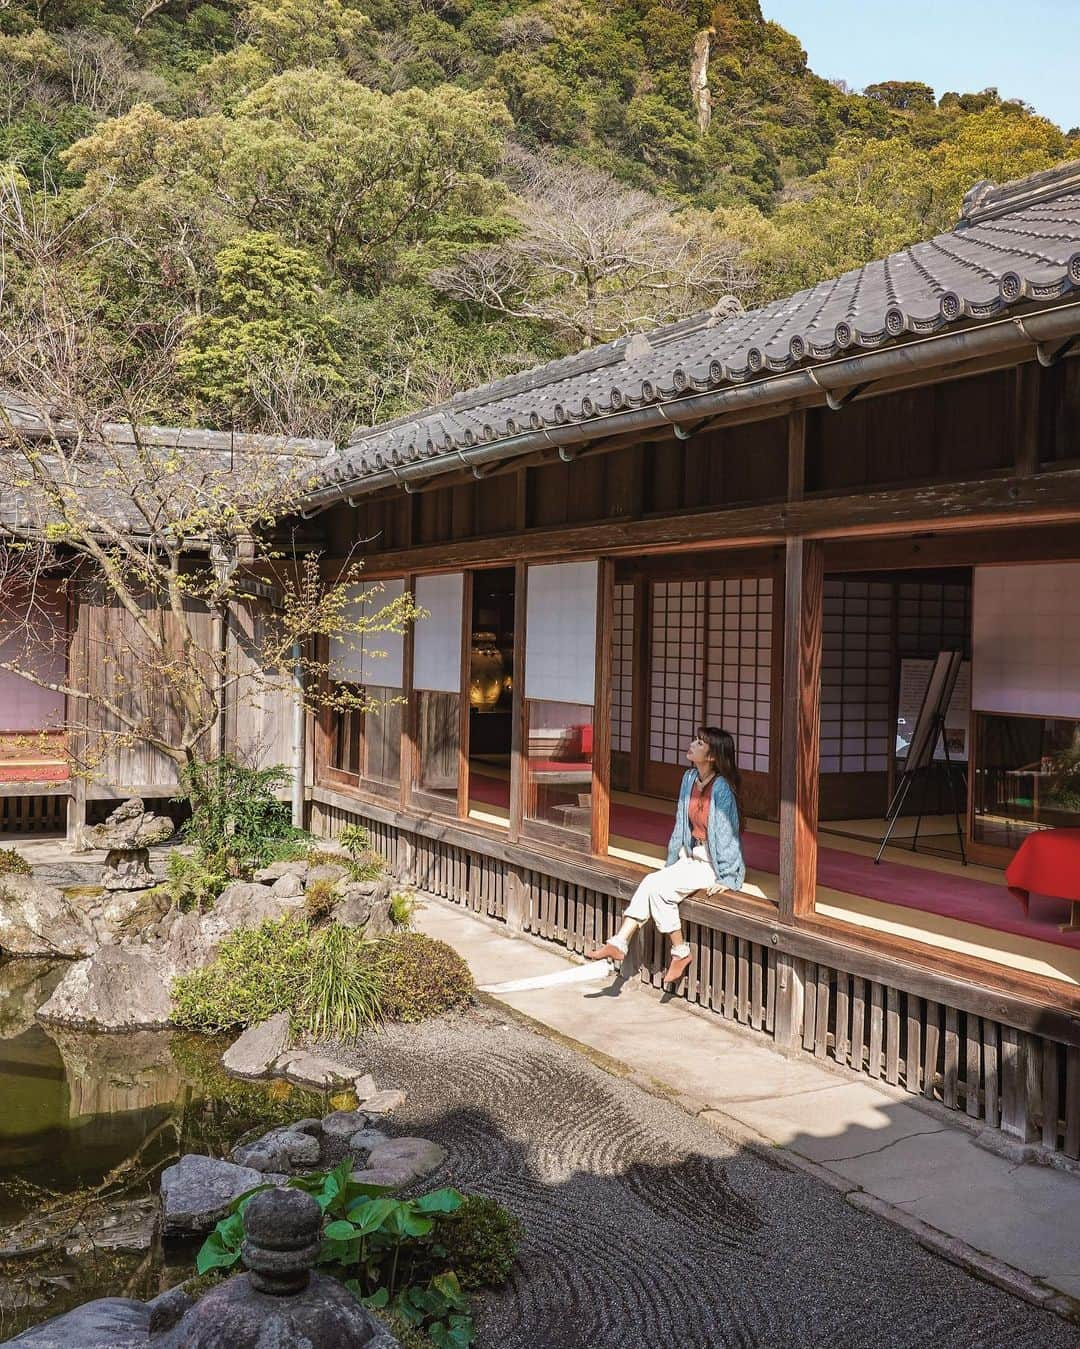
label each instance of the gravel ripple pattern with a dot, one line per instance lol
(644, 1228)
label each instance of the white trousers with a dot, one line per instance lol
(659, 894)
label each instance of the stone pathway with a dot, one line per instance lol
(1014, 1224)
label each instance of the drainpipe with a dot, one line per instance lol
(299, 741)
(836, 376)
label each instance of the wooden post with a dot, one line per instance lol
(518, 747)
(1027, 419)
(796, 464)
(463, 705)
(407, 750)
(790, 1001)
(1019, 1086)
(800, 743)
(601, 755)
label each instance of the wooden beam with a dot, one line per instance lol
(963, 548)
(601, 755)
(800, 743)
(1045, 498)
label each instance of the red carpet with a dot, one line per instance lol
(967, 901)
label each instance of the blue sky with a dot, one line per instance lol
(1027, 48)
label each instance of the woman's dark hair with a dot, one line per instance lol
(722, 752)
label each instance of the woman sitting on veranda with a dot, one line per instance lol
(705, 851)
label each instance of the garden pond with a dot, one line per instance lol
(87, 1124)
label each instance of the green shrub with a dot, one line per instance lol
(13, 863)
(194, 882)
(402, 904)
(342, 987)
(319, 898)
(422, 977)
(235, 811)
(328, 981)
(481, 1242)
(365, 866)
(256, 973)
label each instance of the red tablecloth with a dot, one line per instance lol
(1047, 863)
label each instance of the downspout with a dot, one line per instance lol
(299, 742)
(836, 376)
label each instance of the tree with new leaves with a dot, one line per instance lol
(172, 541)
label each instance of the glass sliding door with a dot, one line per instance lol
(439, 764)
(559, 760)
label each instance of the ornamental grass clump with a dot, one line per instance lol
(343, 988)
(256, 973)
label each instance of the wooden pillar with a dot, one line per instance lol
(800, 742)
(601, 755)
(464, 722)
(407, 749)
(518, 730)
(796, 465)
(1019, 1084)
(1027, 418)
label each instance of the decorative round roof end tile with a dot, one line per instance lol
(559, 413)
(843, 334)
(429, 447)
(716, 372)
(489, 431)
(511, 427)
(380, 459)
(469, 436)
(680, 379)
(535, 420)
(448, 442)
(951, 306)
(648, 390)
(797, 347)
(754, 359)
(395, 455)
(616, 399)
(588, 407)
(895, 320)
(1074, 269)
(1011, 286)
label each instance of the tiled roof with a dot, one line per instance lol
(1014, 244)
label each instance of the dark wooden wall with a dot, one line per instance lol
(965, 429)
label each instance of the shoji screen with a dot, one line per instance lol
(560, 633)
(622, 669)
(1026, 647)
(856, 676)
(437, 638)
(740, 665)
(677, 662)
(372, 658)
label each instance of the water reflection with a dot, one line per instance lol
(87, 1123)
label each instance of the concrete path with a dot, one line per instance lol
(1015, 1224)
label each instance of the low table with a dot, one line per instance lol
(1048, 863)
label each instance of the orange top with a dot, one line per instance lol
(700, 798)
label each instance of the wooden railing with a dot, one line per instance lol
(869, 1019)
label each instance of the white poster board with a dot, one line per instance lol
(560, 632)
(1026, 639)
(437, 638)
(372, 658)
(914, 679)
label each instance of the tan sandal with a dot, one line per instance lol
(678, 967)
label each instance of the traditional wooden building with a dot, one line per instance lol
(774, 522)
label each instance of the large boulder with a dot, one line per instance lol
(365, 904)
(256, 1051)
(117, 988)
(36, 919)
(192, 939)
(127, 914)
(276, 870)
(197, 1191)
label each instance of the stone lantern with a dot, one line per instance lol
(280, 1301)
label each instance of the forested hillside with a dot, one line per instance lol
(308, 214)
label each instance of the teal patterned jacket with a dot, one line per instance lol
(722, 836)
